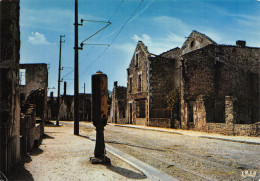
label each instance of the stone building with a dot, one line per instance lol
(32, 77)
(67, 107)
(118, 105)
(35, 77)
(9, 85)
(150, 78)
(220, 86)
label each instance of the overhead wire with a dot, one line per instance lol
(127, 21)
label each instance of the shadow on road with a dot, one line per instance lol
(20, 172)
(126, 173)
(36, 152)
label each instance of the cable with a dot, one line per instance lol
(67, 74)
(96, 60)
(112, 16)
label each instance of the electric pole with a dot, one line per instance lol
(58, 117)
(84, 104)
(76, 74)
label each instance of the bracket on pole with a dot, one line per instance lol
(82, 43)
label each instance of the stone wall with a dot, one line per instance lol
(195, 41)
(36, 82)
(36, 77)
(238, 129)
(137, 84)
(218, 71)
(9, 85)
(161, 122)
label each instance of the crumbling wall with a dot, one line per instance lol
(9, 85)
(36, 79)
(195, 41)
(137, 84)
(162, 80)
(66, 108)
(118, 105)
(85, 107)
(219, 71)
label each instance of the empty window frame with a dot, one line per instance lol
(137, 59)
(22, 73)
(139, 82)
(130, 84)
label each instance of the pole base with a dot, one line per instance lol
(104, 160)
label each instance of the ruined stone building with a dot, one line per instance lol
(35, 77)
(220, 86)
(118, 105)
(52, 107)
(32, 77)
(9, 85)
(67, 107)
(150, 78)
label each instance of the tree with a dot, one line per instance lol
(172, 99)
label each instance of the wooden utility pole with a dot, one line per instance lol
(84, 103)
(58, 116)
(76, 74)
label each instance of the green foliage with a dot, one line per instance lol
(172, 99)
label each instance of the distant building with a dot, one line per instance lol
(67, 107)
(118, 105)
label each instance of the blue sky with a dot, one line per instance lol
(160, 24)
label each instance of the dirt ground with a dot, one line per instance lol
(64, 156)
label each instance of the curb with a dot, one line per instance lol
(151, 172)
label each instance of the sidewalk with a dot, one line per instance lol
(239, 139)
(64, 156)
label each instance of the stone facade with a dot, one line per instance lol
(33, 77)
(210, 75)
(67, 107)
(218, 86)
(118, 105)
(9, 85)
(34, 80)
(150, 78)
(137, 97)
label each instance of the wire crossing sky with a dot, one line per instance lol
(160, 24)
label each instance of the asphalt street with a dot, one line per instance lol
(184, 157)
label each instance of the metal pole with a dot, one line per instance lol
(58, 100)
(76, 74)
(84, 104)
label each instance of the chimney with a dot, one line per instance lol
(115, 84)
(241, 43)
(51, 94)
(65, 88)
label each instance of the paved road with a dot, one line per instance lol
(184, 157)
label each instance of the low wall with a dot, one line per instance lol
(140, 121)
(122, 121)
(247, 130)
(235, 129)
(160, 122)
